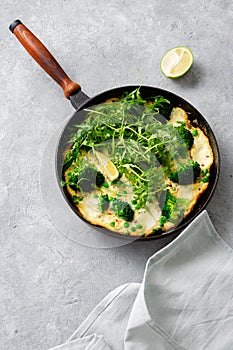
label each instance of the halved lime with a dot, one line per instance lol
(176, 62)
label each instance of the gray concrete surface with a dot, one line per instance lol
(48, 284)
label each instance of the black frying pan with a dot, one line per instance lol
(80, 100)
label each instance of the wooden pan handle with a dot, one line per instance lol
(43, 57)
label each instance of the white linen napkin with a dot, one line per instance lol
(185, 301)
(90, 342)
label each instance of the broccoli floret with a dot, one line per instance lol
(165, 110)
(162, 221)
(163, 106)
(104, 202)
(169, 205)
(123, 209)
(99, 179)
(186, 136)
(178, 212)
(187, 174)
(89, 178)
(172, 207)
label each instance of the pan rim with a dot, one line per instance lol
(175, 230)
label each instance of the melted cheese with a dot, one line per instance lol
(178, 115)
(201, 151)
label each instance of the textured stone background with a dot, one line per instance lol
(48, 284)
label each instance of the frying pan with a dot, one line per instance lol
(80, 100)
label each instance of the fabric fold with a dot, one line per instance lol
(91, 342)
(110, 316)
